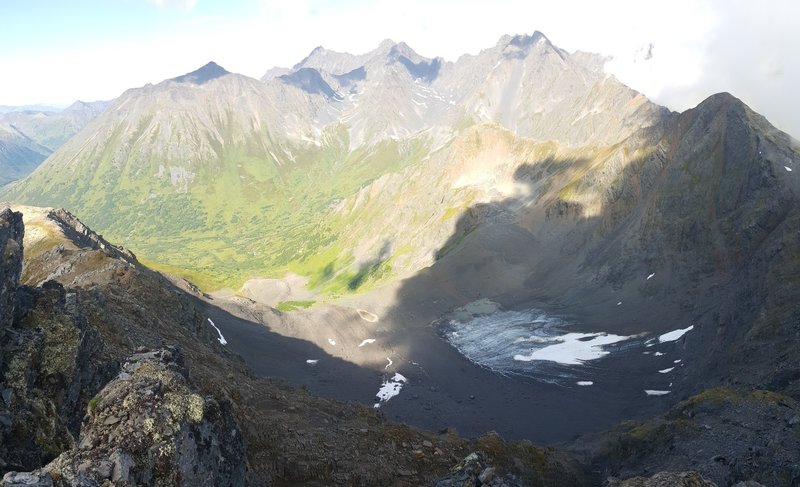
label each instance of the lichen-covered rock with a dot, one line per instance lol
(50, 366)
(663, 479)
(11, 235)
(149, 427)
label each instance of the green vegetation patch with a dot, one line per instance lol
(286, 306)
(258, 210)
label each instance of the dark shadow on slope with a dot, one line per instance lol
(310, 81)
(372, 268)
(358, 74)
(493, 254)
(666, 214)
(426, 71)
(269, 354)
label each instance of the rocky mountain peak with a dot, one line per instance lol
(326, 60)
(524, 40)
(202, 75)
(316, 53)
(718, 107)
(386, 45)
(418, 66)
(87, 107)
(719, 101)
(520, 46)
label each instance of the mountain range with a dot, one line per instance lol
(30, 134)
(196, 155)
(417, 203)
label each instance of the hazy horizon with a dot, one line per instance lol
(676, 54)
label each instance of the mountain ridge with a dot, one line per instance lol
(374, 111)
(412, 198)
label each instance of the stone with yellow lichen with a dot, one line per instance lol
(149, 427)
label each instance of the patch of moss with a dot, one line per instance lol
(286, 306)
(770, 396)
(635, 438)
(90, 408)
(714, 397)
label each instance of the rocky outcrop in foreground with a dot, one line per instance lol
(60, 401)
(476, 470)
(11, 233)
(85, 403)
(149, 427)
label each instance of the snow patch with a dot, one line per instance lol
(788, 168)
(619, 304)
(366, 342)
(666, 371)
(585, 383)
(651, 392)
(525, 342)
(389, 364)
(674, 334)
(221, 338)
(677, 361)
(572, 348)
(390, 388)
(651, 276)
(312, 361)
(332, 341)
(659, 354)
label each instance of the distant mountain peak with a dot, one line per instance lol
(316, 52)
(522, 40)
(521, 45)
(203, 75)
(386, 44)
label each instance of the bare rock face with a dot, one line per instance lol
(11, 233)
(149, 427)
(51, 364)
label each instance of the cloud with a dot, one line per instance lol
(748, 49)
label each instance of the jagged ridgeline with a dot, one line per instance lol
(345, 168)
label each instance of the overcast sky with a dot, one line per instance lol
(677, 52)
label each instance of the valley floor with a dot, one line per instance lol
(336, 358)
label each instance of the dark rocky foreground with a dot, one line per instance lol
(148, 427)
(95, 393)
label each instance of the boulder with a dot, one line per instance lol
(150, 427)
